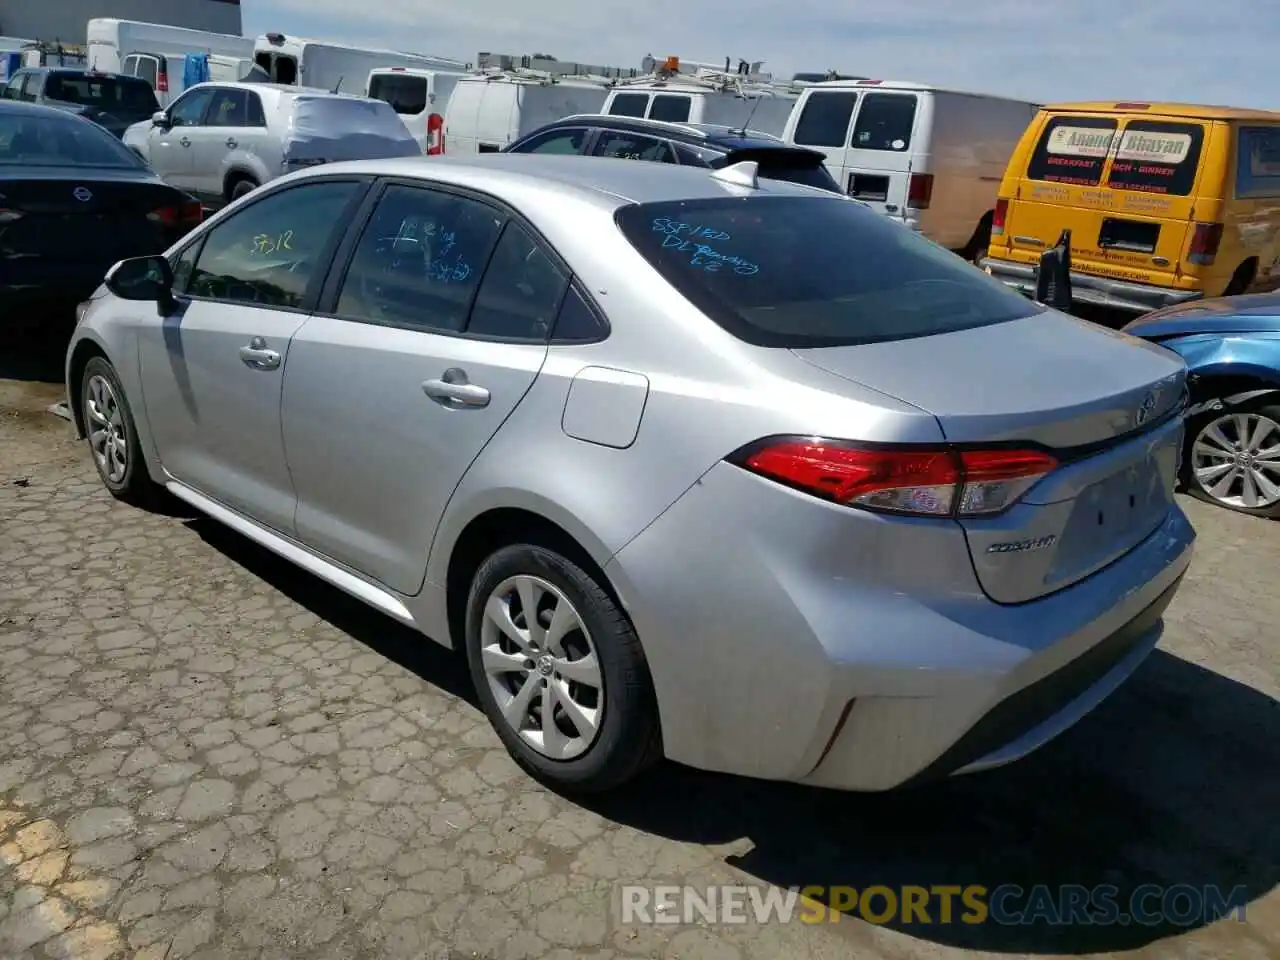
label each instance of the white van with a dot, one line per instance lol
(336, 67)
(156, 51)
(419, 97)
(762, 107)
(487, 112)
(933, 158)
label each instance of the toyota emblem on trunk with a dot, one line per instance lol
(82, 194)
(1146, 408)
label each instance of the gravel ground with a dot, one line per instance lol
(205, 753)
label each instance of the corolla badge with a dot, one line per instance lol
(82, 194)
(1022, 546)
(1146, 408)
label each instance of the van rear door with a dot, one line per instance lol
(886, 138)
(1123, 185)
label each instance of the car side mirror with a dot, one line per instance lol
(142, 279)
(160, 119)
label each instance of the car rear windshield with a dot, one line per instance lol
(1073, 150)
(813, 271)
(123, 94)
(335, 117)
(59, 141)
(405, 92)
(1156, 157)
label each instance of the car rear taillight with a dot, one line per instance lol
(920, 191)
(912, 480)
(1205, 240)
(998, 218)
(184, 215)
(435, 135)
(162, 81)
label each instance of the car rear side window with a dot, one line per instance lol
(1258, 162)
(577, 322)
(671, 108)
(633, 146)
(629, 105)
(521, 290)
(1157, 157)
(405, 92)
(884, 122)
(267, 253)
(813, 271)
(824, 120)
(1073, 150)
(419, 259)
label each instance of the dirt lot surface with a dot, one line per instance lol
(205, 753)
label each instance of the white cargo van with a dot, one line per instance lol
(931, 157)
(691, 101)
(487, 112)
(335, 67)
(156, 51)
(419, 97)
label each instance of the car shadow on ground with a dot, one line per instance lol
(441, 667)
(1173, 782)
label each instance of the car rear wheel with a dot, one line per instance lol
(241, 187)
(1233, 459)
(112, 435)
(559, 671)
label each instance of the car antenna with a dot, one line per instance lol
(759, 95)
(338, 86)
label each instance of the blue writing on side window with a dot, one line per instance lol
(706, 257)
(449, 271)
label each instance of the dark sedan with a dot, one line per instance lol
(73, 201)
(695, 144)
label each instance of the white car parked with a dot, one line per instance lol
(219, 141)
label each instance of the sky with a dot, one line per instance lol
(1182, 50)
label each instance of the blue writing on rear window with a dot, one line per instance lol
(695, 240)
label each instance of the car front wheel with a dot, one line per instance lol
(559, 671)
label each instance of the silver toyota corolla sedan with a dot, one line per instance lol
(689, 463)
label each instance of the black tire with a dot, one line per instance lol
(1263, 407)
(241, 187)
(627, 741)
(1241, 280)
(135, 486)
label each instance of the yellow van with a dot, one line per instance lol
(1165, 202)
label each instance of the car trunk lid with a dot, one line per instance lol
(1105, 404)
(87, 216)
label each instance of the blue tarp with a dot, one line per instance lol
(195, 70)
(10, 61)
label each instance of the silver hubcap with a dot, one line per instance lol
(105, 422)
(542, 667)
(1236, 460)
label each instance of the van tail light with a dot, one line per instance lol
(435, 135)
(186, 216)
(910, 480)
(920, 191)
(162, 80)
(1205, 240)
(998, 218)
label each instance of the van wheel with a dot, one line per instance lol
(1241, 280)
(1232, 458)
(241, 187)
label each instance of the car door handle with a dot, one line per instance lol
(453, 389)
(257, 355)
(184, 141)
(231, 142)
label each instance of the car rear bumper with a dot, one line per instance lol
(35, 287)
(843, 649)
(1097, 291)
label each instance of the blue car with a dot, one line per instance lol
(1232, 348)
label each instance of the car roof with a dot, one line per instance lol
(694, 134)
(605, 181)
(85, 71)
(32, 109)
(279, 89)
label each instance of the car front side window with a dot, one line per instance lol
(189, 110)
(268, 253)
